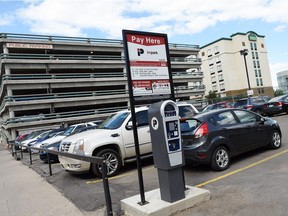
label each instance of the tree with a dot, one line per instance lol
(278, 92)
(211, 96)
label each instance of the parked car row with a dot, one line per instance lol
(262, 105)
(51, 138)
(212, 137)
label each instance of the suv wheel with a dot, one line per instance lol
(113, 162)
(220, 159)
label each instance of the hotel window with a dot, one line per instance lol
(203, 53)
(258, 64)
(256, 72)
(251, 46)
(219, 68)
(212, 71)
(217, 59)
(216, 50)
(213, 80)
(222, 87)
(255, 46)
(256, 54)
(259, 73)
(214, 88)
(253, 55)
(254, 64)
(209, 53)
(210, 61)
(243, 44)
(261, 82)
(262, 45)
(220, 77)
(257, 82)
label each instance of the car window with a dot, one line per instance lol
(142, 118)
(257, 100)
(240, 103)
(224, 118)
(186, 111)
(246, 117)
(188, 125)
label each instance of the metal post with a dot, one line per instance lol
(106, 189)
(245, 53)
(21, 150)
(30, 153)
(49, 163)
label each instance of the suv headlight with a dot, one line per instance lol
(79, 146)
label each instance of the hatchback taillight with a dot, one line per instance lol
(202, 131)
(279, 104)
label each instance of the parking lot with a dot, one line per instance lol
(255, 184)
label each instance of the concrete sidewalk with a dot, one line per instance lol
(24, 193)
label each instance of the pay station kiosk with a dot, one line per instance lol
(167, 149)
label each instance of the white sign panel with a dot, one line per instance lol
(148, 64)
(29, 46)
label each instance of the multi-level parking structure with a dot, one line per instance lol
(51, 80)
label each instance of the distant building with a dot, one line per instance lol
(224, 65)
(282, 79)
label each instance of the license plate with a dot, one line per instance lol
(271, 105)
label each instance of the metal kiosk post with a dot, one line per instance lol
(167, 149)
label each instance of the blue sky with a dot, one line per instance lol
(184, 21)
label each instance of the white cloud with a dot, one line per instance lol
(280, 28)
(73, 17)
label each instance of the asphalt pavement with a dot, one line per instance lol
(255, 184)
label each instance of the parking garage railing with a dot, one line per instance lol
(85, 75)
(18, 149)
(104, 112)
(78, 39)
(83, 57)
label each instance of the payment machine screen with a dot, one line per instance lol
(172, 129)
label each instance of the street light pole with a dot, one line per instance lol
(244, 52)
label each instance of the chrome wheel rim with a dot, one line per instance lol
(222, 158)
(276, 139)
(111, 162)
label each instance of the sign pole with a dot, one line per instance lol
(149, 78)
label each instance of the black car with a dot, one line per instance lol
(215, 136)
(276, 105)
(254, 104)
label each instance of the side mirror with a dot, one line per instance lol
(129, 126)
(262, 120)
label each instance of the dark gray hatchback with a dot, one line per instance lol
(214, 137)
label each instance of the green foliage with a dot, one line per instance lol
(211, 96)
(278, 92)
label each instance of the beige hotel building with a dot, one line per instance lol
(223, 64)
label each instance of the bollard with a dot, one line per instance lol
(106, 189)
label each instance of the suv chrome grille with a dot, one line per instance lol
(65, 146)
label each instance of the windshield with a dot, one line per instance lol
(68, 131)
(114, 121)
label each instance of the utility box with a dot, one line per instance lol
(167, 149)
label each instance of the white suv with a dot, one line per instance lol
(113, 140)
